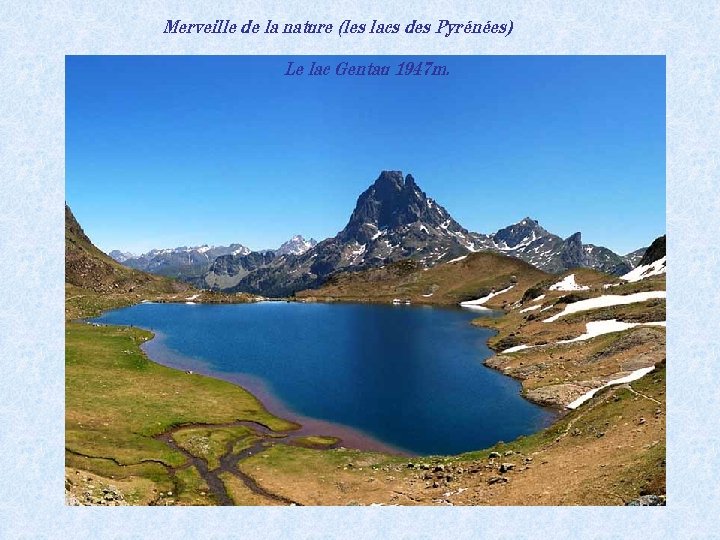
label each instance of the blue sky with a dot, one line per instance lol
(171, 151)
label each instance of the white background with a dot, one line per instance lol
(36, 36)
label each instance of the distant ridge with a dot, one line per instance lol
(192, 262)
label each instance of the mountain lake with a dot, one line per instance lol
(402, 378)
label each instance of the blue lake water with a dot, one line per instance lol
(411, 377)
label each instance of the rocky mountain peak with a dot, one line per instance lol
(297, 245)
(390, 203)
(575, 238)
(393, 220)
(572, 254)
(519, 234)
(389, 180)
(655, 252)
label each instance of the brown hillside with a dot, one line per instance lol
(89, 268)
(449, 283)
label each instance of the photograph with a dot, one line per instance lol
(397, 280)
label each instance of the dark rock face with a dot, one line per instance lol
(655, 252)
(393, 203)
(228, 270)
(393, 210)
(572, 254)
(603, 259)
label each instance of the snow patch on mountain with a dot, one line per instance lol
(568, 284)
(516, 348)
(633, 376)
(598, 328)
(641, 272)
(606, 301)
(121, 256)
(592, 329)
(478, 303)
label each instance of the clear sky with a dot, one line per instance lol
(186, 150)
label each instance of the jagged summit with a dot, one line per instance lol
(297, 245)
(395, 202)
(392, 178)
(519, 234)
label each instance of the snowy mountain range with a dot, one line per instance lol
(528, 241)
(393, 220)
(188, 262)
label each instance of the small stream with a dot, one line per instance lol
(229, 461)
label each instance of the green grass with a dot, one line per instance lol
(593, 419)
(316, 441)
(292, 460)
(211, 444)
(109, 469)
(239, 493)
(81, 303)
(117, 399)
(192, 489)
